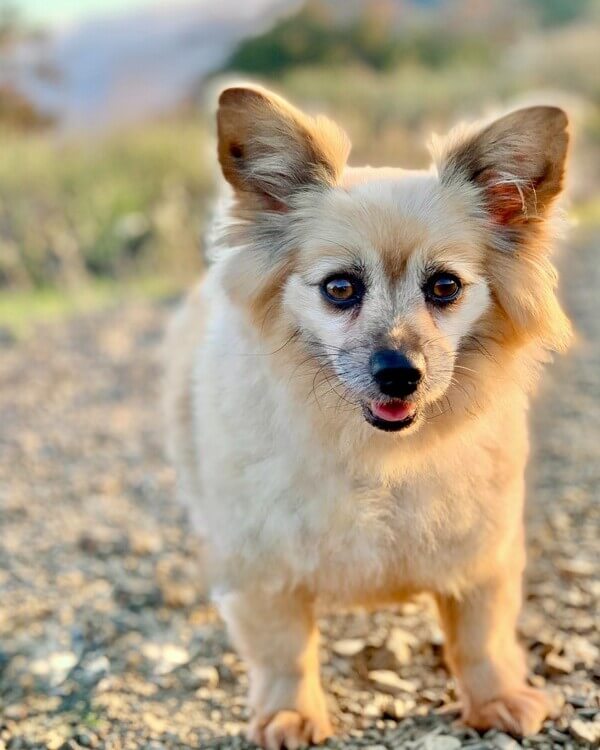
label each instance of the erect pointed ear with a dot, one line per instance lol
(269, 150)
(514, 170)
(517, 163)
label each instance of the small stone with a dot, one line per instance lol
(389, 682)
(371, 711)
(588, 713)
(86, 739)
(586, 731)
(155, 724)
(448, 709)
(167, 657)
(556, 736)
(143, 542)
(54, 667)
(582, 652)
(437, 742)
(504, 742)
(577, 567)
(577, 701)
(400, 642)
(395, 709)
(16, 712)
(96, 667)
(557, 665)
(178, 595)
(206, 676)
(348, 647)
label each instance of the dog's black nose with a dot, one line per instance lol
(395, 373)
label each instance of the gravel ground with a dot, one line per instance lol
(106, 638)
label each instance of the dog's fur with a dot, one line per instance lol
(299, 498)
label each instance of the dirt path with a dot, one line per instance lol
(105, 639)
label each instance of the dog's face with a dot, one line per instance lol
(393, 286)
(387, 284)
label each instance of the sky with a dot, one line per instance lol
(61, 11)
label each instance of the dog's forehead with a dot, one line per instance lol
(406, 200)
(391, 214)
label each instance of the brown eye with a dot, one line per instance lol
(343, 291)
(443, 288)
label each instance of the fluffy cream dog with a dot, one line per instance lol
(348, 390)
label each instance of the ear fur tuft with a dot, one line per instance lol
(270, 149)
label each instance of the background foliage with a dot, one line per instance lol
(134, 203)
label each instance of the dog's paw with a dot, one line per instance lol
(520, 712)
(288, 730)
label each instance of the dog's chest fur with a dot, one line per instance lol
(286, 507)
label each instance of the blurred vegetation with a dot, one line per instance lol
(313, 37)
(133, 205)
(16, 111)
(381, 36)
(556, 12)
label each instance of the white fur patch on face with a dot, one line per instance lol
(309, 310)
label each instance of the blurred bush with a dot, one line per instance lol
(18, 113)
(316, 35)
(133, 203)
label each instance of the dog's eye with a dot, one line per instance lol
(343, 290)
(442, 288)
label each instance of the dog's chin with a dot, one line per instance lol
(390, 416)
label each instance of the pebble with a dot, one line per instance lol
(86, 739)
(167, 657)
(390, 682)
(586, 731)
(55, 666)
(372, 710)
(555, 736)
(348, 647)
(206, 676)
(587, 713)
(557, 665)
(400, 642)
(578, 701)
(577, 567)
(504, 742)
(439, 743)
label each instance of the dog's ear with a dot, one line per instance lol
(268, 150)
(517, 164)
(513, 170)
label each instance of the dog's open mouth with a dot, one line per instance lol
(390, 416)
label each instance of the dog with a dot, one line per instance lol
(347, 392)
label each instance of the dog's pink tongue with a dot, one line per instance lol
(393, 411)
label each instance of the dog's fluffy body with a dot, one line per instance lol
(298, 497)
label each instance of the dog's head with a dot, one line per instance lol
(398, 292)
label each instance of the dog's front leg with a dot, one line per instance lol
(488, 663)
(278, 638)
